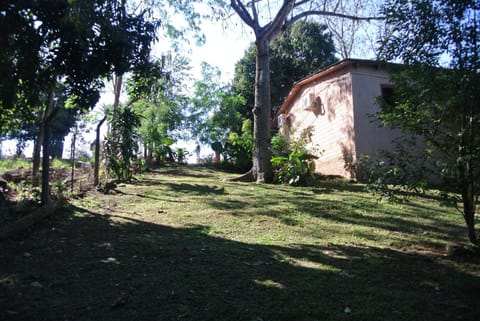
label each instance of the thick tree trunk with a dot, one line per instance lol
(468, 198)
(149, 158)
(262, 168)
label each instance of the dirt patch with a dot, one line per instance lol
(18, 197)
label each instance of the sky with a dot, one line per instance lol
(223, 48)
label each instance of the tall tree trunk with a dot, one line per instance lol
(72, 158)
(262, 167)
(57, 148)
(97, 152)
(468, 198)
(36, 156)
(117, 89)
(45, 127)
(45, 194)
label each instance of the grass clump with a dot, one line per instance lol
(14, 163)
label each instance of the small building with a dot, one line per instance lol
(336, 105)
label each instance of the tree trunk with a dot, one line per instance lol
(10, 229)
(262, 168)
(57, 148)
(37, 147)
(45, 127)
(97, 153)
(468, 198)
(72, 158)
(149, 157)
(117, 90)
(45, 195)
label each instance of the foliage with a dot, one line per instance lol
(49, 40)
(60, 125)
(239, 147)
(292, 162)
(390, 176)
(9, 164)
(122, 143)
(213, 113)
(155, 94)
(59, 163)
(436, 95)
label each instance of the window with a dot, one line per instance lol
(388, 95)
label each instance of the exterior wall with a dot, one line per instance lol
(331, 122)
(343, 125)
(370, 138)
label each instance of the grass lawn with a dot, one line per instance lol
(180, 244)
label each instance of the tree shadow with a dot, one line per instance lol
(195, 189)
(82, 265)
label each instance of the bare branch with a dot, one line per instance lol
(300, 3)
(254, 11)
(279, 21)
(243, 13)
(328, 14)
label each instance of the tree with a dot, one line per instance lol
(73, 42)
(286, 13)
(215, 118)
(122, 145)
(213, 109)
(297, 53)
(436, 93)
(61, 124)
(156, 95)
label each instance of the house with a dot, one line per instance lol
(337, 104)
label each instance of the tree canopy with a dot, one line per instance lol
(77, 42)
(436, 92)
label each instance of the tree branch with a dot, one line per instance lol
(278, 22)
(243, 13)
(329, 14)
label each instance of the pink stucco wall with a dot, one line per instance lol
(342, 126)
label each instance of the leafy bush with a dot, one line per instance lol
(292, 162)
(239, 147)
(121, 144)
(392, 176)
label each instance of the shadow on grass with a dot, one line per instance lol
(81, 265)
(194, 171)
(196, 189)
(411, 218)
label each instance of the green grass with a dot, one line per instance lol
(9, 164)
(181, 244)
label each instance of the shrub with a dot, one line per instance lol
(292, 163)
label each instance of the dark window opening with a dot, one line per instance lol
(388, 95)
